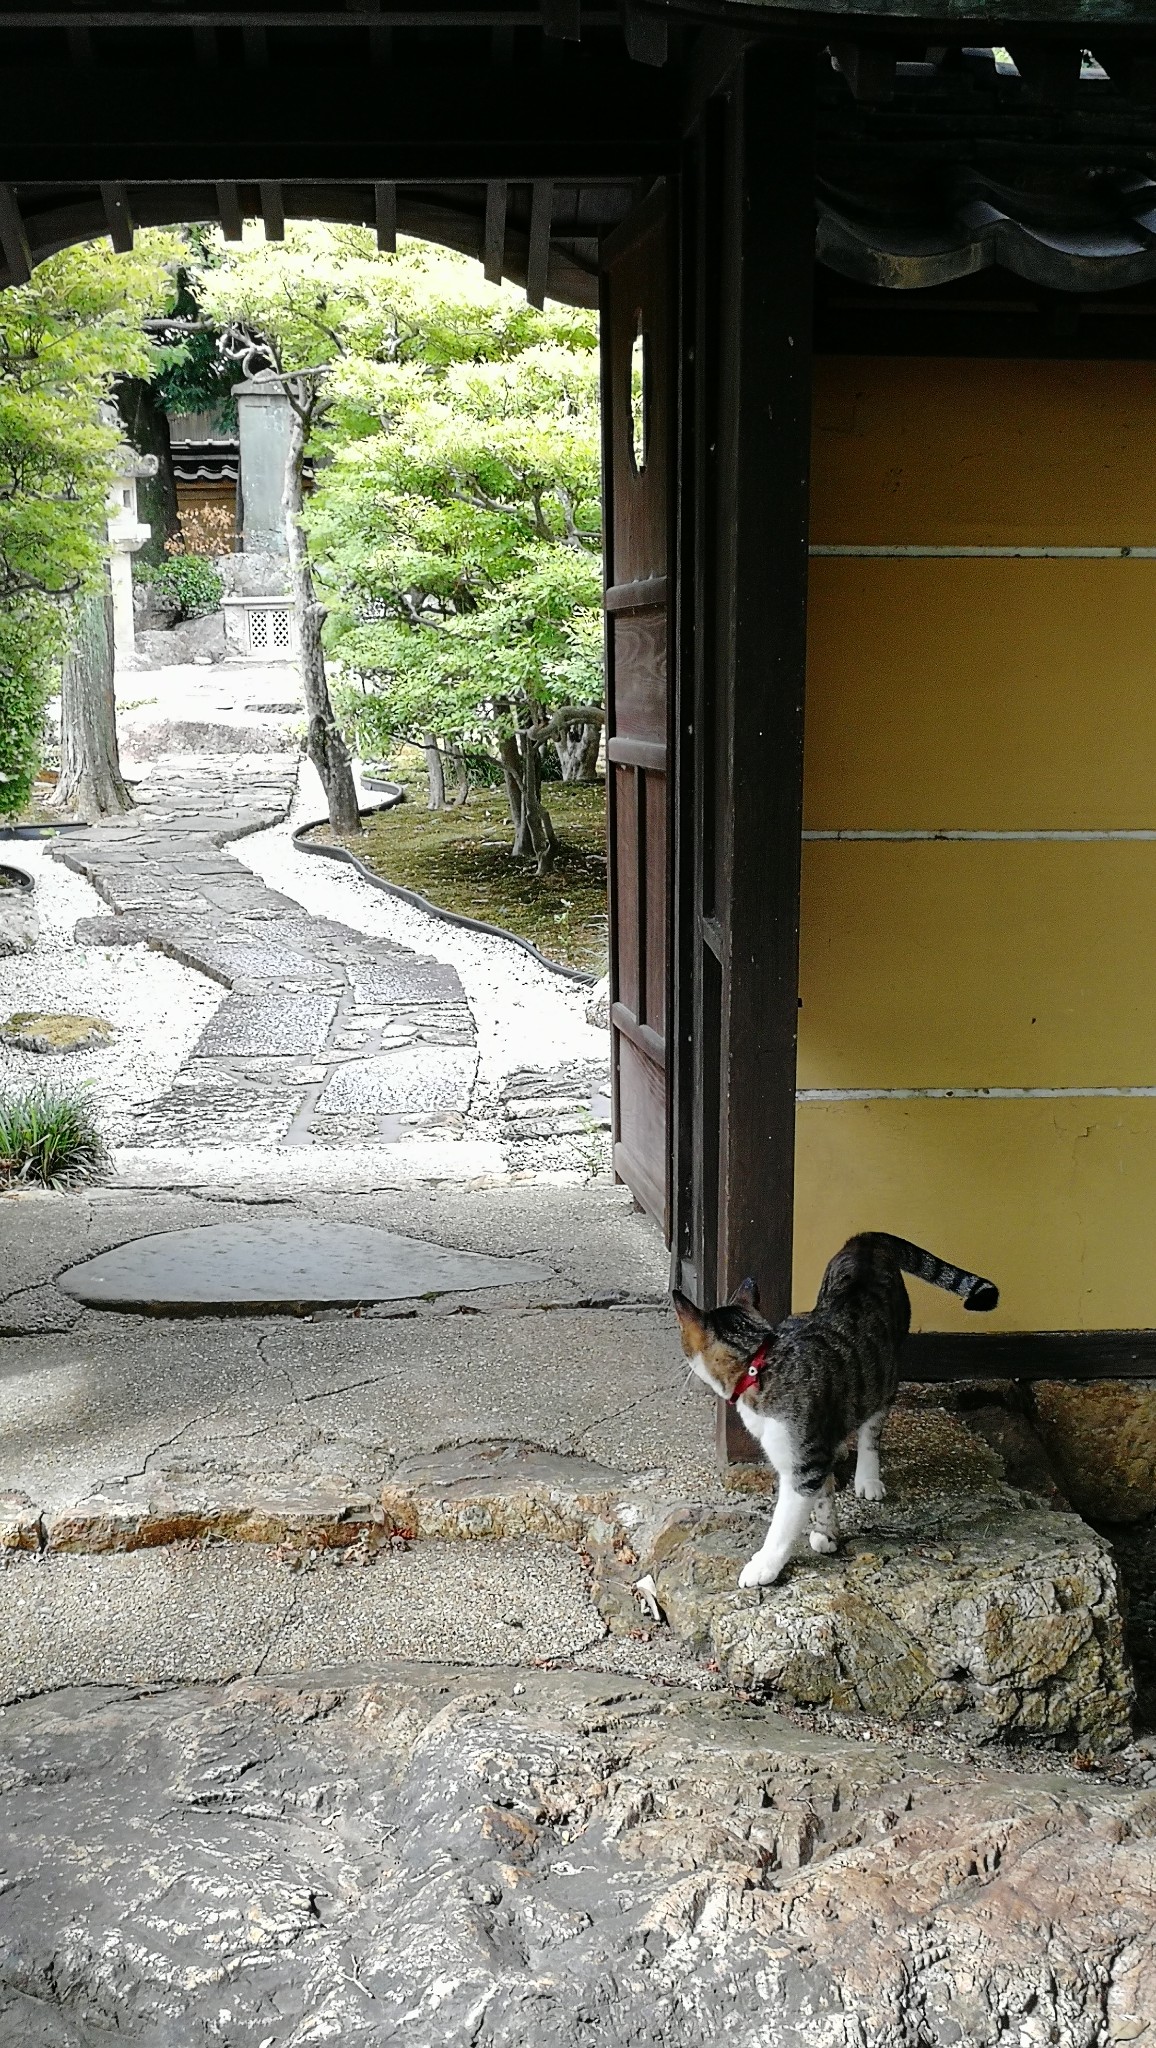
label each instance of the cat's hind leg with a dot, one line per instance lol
(792, 1513)
(868, 1484)
(824, 1520)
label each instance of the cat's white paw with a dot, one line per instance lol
(758, 1571)
(825, 1545)
(870, 1489)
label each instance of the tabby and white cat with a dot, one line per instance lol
(804, 1385)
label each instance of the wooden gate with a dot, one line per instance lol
(636, 467)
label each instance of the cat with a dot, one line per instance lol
(804, 1385)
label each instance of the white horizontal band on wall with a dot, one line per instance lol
(967, 1094)
(1077, 833)
(886, 551)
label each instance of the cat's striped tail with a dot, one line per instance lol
(911, 1258)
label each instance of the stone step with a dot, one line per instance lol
(983, 1607)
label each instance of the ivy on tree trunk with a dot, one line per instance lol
(326, 746)
(90, 781)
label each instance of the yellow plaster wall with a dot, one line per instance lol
(983, 696)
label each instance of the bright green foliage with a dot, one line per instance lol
(49, 1139)
(188, 582)
(63, 337)
(455, 526)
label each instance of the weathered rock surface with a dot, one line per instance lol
(951, 1604)
(51, 1032)
(1101, 1439)
(436, 1856)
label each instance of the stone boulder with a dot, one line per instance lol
(960, 1597)
(19, 922)
(1101, 1439)
(598, 1005)
(45, 1031)
(194, 640)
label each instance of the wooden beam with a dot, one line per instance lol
(765, 401)
(205, 48)
(647, 34)
(80, 48)
(385, 211)
(562, 19)
(1030, 1355)
(114, 199)
(255, 43)
(229, 212)
(538, 259)
(14, 238)
(273, 212)
(494, 239)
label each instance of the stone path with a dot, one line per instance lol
(328, 1037)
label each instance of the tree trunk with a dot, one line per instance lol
(90, 782)
(326, 747)
(461, 769)
(539, 832)
(146, 427)
(435, 770)
(577, 751)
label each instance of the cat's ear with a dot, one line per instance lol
(691, 1324)
(746, 1294)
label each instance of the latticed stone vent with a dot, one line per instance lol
(270, 629)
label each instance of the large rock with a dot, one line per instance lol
(194, 640)
(981, 1603)
(19, 923)
(1008, 1618)
(1101, 1438)
(50, 1031)
(549, 1859)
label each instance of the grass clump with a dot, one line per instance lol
(49, 1139)
(461, 860)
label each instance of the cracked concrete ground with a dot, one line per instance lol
(310, 1416)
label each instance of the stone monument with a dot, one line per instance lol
(258, 607)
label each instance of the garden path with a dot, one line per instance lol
(329, 1037)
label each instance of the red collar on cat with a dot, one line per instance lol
(749, 1376)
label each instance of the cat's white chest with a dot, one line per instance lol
(774, 1438)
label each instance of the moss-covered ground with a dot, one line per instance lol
(461, 859)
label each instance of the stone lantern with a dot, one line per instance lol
(126, 535)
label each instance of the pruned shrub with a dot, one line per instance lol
(189, 583)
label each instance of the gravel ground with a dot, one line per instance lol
(186, 1612)
(526, 1016)
(159, 1008)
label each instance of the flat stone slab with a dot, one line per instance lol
(411, 1079)
(283, 1263)
(410, 978)
(269, 1024)
(218, 1109)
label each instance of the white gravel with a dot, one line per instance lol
(525, 1015)
(158, 1008)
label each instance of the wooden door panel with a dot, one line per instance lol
(635, 421)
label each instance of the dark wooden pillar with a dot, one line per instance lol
(748, 256)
